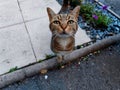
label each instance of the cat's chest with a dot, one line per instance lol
(63, 44)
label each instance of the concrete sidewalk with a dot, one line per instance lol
(24, 32)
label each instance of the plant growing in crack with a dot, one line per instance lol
(48, 56)
(41, 60)
(13, 69)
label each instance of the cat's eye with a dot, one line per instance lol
(56, 22)
(70, 22)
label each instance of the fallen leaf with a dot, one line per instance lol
(43, 71)
(62, 66)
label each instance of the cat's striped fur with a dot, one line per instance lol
(63, 28)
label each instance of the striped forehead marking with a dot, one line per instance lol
(59, 17)
(63, 16)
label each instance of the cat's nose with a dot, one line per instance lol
(63, 26)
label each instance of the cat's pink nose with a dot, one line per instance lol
(63, 26)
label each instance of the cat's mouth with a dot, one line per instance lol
(64, 34)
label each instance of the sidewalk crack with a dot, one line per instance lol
(27, 30)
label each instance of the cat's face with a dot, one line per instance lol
(63, 24)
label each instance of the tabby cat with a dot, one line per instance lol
(63, 27)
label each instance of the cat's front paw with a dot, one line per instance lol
(59, 58)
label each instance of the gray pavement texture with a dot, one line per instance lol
(99, 72)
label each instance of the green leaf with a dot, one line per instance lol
(13, 69)
(48, 56)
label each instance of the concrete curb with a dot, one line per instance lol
(112, 12)
(22, 73)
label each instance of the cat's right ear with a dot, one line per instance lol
(51, 13)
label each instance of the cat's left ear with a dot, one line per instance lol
(51, 13)
(76, 11)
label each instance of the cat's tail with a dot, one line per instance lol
(65, 6)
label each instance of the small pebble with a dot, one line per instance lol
(92, 64)
(46, 76)
(62, 66)
(90, 54)
(97, 36)
(117, 28)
